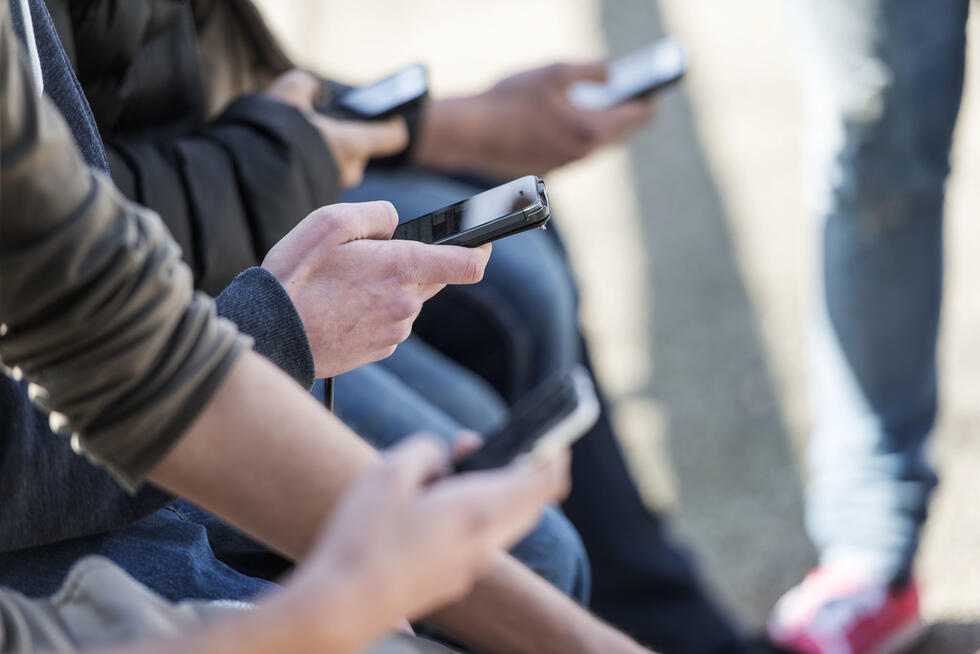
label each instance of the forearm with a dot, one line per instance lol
(450, 136)
(513, 610)
(266, 457)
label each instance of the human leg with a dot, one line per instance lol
(886, 128)
(885, 80)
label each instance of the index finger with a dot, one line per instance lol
(611, 124)
(507, 501)
(417, 459)
(446, 264)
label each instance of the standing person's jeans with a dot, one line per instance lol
(884, 83)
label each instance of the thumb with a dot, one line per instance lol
(448, 264)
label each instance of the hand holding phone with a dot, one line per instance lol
(392, 95)
(643, 72)
(554, 415)
(508, 209)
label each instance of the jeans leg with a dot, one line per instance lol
(885, 79)
(166, 552)
(455, 391)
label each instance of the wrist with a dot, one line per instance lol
(326, 617)
(334, 611)
(451, 135)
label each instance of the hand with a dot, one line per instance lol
(351, 142)
(405, 545)
(525, 124)
(356, 291)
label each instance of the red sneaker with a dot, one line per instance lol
(836, 612)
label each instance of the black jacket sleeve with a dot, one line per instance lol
(229, 191)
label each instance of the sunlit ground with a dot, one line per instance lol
(693, 254)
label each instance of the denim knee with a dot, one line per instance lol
(555, 552)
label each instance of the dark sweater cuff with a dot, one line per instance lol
(262, 309)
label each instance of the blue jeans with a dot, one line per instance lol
(885, 79)
(174, 551)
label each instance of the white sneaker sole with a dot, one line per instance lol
(903, 640)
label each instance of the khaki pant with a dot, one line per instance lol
(100, 605)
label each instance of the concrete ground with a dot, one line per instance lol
(693, 253)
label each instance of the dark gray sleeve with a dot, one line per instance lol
(97, 310)
(258, 304)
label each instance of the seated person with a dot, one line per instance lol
(226, 202)
(98, 315)
(361, 328)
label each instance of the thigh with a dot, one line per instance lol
(382, 409)
(459, 393)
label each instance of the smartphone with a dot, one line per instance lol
(641, 73)
(507, 209)
(389, 96)
(554, 415)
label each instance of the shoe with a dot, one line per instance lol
(837, 612)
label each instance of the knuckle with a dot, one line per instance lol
(404, 331)
(338, 217)
(402, 307)
(387, 474)
(389, 214)
(408, 267)
(474, 270)
(477, 521)
(398, 334)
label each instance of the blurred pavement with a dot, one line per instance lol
(694, 254)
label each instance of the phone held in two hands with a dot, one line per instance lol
(395, 94)
(551, 417)
(638, 74)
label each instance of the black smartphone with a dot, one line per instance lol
(554, 415)
(391, 95)
(507, 209)
(640, 73)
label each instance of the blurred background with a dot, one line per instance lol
(694, 256)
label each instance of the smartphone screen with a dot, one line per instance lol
(390, 93)
(481, 209)
(641, 72)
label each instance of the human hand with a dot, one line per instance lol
(404, 545)
(356, 291)
(525, 124)
(351, 142)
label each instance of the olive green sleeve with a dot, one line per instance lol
(97, 310)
